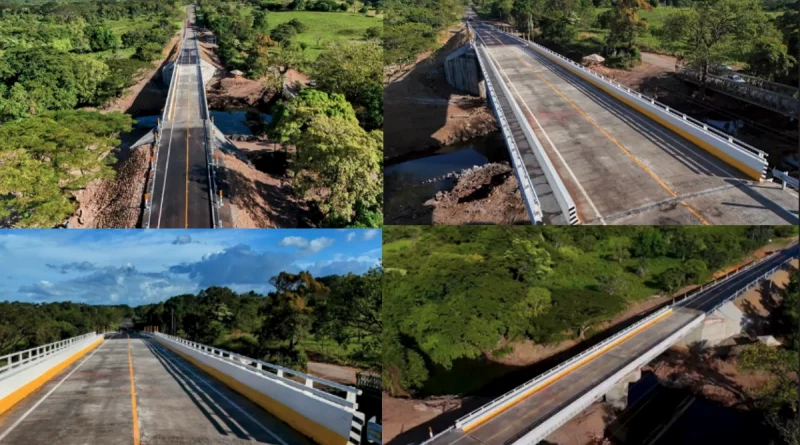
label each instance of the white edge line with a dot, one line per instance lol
(27, 413)
(239, 408)
(574, 178)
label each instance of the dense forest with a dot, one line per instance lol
(468, 292)
(759, 34)
(335, 319)
(55, 58)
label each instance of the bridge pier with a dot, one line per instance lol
(463, 72)
(618, 395)
(720, 325)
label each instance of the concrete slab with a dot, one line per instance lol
(613, 158)
(90, 403)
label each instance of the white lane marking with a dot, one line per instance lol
(569, 170)
(238, 408)
(27, 413)
(169, 148)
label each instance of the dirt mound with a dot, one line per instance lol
(231, 92)
(116, 203)
(262, 200)
(483, 195)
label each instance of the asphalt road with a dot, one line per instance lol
(515, 422)
(181, 190)
(614, 159)
(90, 402)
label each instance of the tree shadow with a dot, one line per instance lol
(277, 203)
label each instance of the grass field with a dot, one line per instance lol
(326, 26)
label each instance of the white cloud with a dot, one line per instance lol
(351, 236)
(371, 233)
(305, 246)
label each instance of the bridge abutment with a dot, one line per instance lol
(618, 395)
(463, 73)
(720, 325)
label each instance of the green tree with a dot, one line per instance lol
(769, 59)
(102, 38)
(713, 31)
(617, 248)
(527, 261)
(148, 52)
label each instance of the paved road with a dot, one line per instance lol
(523, 417)
(613, 159)
(90, 403)
(181, 193)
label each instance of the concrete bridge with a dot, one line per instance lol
(529, 413)
(587, 150)
(154, 389)
(182, 189)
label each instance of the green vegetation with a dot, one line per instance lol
(333, 152)
(46, 157)
(761, 35)
(54, 58)
(24, 325)
(325, 27)
(459, 293)
(335, 319)
(333, 125)
(412, 26)
(779, 396)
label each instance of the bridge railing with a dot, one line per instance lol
(208, 132)
(172, 84)
(786, 179)
(506, 398)
(754, 282)
(748, 91)
(719, 135)
(528, 193)
(22, 359)
(279, 373)
(564, 200)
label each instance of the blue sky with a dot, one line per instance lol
(145, 266)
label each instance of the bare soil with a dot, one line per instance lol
(117, 203)
(488, 194)
(339, 374)
(422, 111)
(260, 199)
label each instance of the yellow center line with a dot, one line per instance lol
(612, 139)
(133, 396)
(188, 112)
(508, 405)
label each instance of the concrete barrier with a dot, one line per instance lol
(18, 379)
(326, 418)
(745, 158)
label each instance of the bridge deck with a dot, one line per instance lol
(516, 421)
(614, 159)
(505, 427)
(181, 190)
(90, 403)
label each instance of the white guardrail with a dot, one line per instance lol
(528, 193)
(785, 179)
(562, 196)
(740, 155)
(305, 402)
(486, 410)
(208, 129)
(17, 361)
